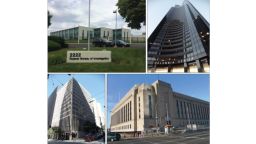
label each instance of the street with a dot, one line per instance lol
(74, 142)
(189, 138)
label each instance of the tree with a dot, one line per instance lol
(49, 19)
(133, 11)
(90, 127)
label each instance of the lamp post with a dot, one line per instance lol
(89, 25)
(156, 119)
(115, 11)
(78, 34)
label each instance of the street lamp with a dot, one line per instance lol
(78, 34)
(115, 11)
(156, 119)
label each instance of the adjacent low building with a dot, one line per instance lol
(70, 107)
(149, 107)
(102, 32)
(73, 33)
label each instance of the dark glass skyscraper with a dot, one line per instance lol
(180, 42)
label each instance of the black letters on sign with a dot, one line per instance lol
(75, 55)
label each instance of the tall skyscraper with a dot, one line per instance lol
(70, 107)
(180, 42)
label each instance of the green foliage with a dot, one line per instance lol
(59, 40)
(49, 19)
(57, 60)
(90, 127)
(123, 60)
(52, 45)
(133, 11)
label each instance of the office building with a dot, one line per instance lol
(70, 107)
(122, 34)
(147, 107)
(102, 32)
(180, 42)
(73, 33)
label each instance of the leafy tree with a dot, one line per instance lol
(49, 19)
(133, 11)
(90, 127)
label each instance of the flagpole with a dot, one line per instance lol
(89, 25)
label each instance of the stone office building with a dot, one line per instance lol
(180, 42)
(70, 107)
(147, 107)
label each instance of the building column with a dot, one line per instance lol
(185, 67)
(199, 66)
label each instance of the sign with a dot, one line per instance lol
(88, 56)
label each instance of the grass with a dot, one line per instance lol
(123, 60)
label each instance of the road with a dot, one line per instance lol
(74, 142)
(85, 45)
(191, 138)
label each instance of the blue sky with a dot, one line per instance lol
(157, 9)
(196, 85)
(94, 83)
(70, 13)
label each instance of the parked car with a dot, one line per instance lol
(102, 42)
(113, 136)
(120, 43)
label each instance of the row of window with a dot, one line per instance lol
(122, 115)
(122, 127)
(190, 110)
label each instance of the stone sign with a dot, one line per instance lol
(88, 56)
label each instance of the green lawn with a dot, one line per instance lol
(123, 60)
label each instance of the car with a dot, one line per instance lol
(102, 42)
(120, 43)
(113, 136)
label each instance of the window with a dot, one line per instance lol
(150, 106)
(177, 107)
(130, 110)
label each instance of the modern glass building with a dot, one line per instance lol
(75, 32)
(122, 34)
(180, 42)
(82, 33)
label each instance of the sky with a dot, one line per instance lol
(195, 85)
(157, 9)
(70, 13)
(93, 83)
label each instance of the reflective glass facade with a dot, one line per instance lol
(180, 42)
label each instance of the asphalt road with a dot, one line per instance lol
(85, 45)
(191, 138)
(74, 142)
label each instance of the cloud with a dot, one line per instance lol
(70, 13)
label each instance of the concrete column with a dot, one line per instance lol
(199, 66)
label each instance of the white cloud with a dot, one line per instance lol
(70, 13)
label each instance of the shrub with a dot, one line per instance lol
(52, 45)
(56, 60)
(59, 40)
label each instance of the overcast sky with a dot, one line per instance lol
(70, 13)
(157, 9)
